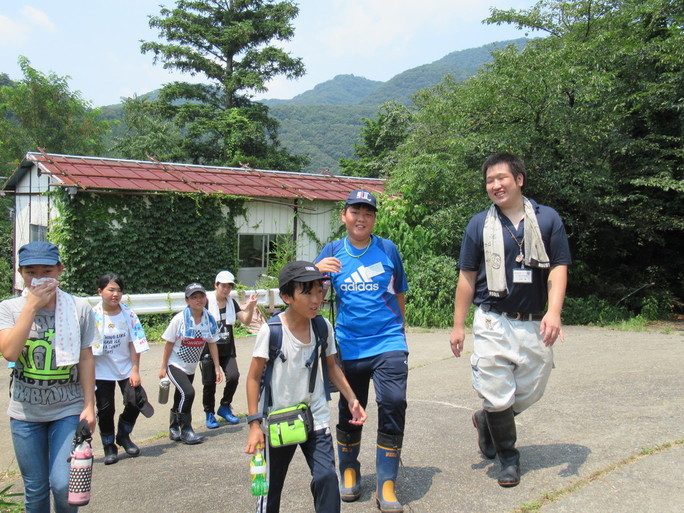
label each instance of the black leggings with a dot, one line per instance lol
(104, 398)
(185, 392)
(230, 368)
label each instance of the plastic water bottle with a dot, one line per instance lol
(164, 385)
(257, 467)
(81, 467)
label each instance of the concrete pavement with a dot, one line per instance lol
(607, 436)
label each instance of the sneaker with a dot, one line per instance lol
(227, 413)
(212, 423)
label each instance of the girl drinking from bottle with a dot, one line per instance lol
(49, 334)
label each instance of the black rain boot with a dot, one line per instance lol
(387, 459)
(110, 451)
(123, 438)
(188, 436)
(174, 427)
(484, 437)
(502, 428)
(348, 447)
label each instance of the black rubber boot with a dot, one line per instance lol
(123, 438)
(348, 446)
(502, 428)
(187, 435)
(387, 458)
(110, 451)
(174, 427)
(484, 437)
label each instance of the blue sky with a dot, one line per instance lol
(97, 43)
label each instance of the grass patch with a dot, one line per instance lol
(637, 323)
(8, 501)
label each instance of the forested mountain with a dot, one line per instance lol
(341, 90)
(324, 123)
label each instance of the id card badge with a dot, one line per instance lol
(522, 275)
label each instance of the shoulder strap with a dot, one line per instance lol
(275, 343)
(320, 328)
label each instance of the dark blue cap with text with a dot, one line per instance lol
(194, 287)
(361, 197)
(299, 271)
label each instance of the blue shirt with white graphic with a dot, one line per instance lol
(369, 321)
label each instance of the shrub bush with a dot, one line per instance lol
(430, 302)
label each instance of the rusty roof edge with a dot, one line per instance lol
(201, 166)
(61, 171)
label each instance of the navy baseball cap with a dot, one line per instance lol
(299, 271)
(194, 287)
(38, 252)
(361, 197)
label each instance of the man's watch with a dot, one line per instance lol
(251, 418)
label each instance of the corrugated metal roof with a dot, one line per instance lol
(95, 174)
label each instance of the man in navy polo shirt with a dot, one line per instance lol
(513, 266)
(368, 277)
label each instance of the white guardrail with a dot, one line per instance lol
(171, 302)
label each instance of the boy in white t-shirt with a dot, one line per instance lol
(301, 288)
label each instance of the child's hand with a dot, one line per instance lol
(219, 376)
(255, 439)
(358, 413)
(42, 291)
(329, 265)
(162, 373)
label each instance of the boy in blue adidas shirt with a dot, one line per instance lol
(301, 288)
(369, 280)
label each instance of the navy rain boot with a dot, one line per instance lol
(348, 447)
(387, 460)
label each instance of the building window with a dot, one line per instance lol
(254, 251)
(38, 233)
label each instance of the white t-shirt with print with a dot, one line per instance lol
(114, 364)
(290, 380)
(186, 350)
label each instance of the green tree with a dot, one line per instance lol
(147, 134)
(228, 42)
(595, 110)
(41, 111)
(379, 138)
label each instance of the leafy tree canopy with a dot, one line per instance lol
(228, 42)
(595, 109)
(379, 138)
(41, 111)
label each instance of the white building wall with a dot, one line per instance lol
(322, 218)
(263, 218)
(32, 208)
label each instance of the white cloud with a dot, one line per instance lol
(38, 18)
(14, 32)
(390, 25)
(11, 32)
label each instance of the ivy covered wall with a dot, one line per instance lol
(157, 243)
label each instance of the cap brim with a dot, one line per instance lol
(147, 410)
(39, 261)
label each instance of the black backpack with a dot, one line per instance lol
(275, 343)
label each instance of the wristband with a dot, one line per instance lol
(251, 418)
